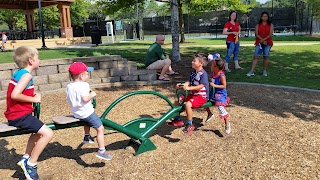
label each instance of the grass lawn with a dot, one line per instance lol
(290, 65)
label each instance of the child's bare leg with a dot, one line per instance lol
(43, 137)
(226, 121)
(86, 129)
(208, 110)
(102, 153)
(31, 143)
(188, 107)
(224, 115)
(210, 115)
(100, 137)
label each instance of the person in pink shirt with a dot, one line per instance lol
(263, 43)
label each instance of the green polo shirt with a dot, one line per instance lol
(154, 53)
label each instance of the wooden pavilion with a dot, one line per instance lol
(28, 7)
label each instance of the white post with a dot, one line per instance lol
(109, 28)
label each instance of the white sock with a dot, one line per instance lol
(26, 156)
(102, 150)
(31, 164)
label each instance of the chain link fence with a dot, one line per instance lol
(286, 21)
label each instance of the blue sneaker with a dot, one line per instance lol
(32, 173)
(29, 171)
(22, 164)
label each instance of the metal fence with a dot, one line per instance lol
(285, 20)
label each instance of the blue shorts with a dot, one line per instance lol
(93, 120)
(265, 49)
(27, 122)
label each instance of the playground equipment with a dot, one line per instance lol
(138, 129)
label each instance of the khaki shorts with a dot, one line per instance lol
(159, 64)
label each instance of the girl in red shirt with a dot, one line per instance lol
(232, 30)
(263, 43)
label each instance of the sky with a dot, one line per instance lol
(262, 1)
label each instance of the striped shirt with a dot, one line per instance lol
(197, 78)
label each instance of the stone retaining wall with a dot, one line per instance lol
(53, 74)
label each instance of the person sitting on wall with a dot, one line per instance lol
(156, 59)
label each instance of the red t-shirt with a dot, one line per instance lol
(264, 31)
(18, 109)
(232, 28)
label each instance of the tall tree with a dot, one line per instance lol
(50, 17)
(79, 11)
(315, 8)
(13, 18)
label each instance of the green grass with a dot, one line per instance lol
(291, 65)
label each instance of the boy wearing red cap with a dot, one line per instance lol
(79, 97)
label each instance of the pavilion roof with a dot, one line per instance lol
(28, 4)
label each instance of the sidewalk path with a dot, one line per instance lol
(275, 44)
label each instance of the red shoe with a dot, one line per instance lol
(188, 129)
(176, 123)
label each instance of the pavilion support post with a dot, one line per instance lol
(31, 27)
(65, 21)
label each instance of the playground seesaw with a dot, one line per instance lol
(138, 129)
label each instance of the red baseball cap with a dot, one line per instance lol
(79, 67)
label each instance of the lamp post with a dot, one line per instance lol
(41, 26)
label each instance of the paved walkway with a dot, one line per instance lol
(275, 44)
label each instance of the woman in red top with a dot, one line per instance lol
(232, 30)
(264, 31)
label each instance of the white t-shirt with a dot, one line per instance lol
(75, 92)
(4, 38)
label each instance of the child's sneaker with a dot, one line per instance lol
(209, 117)
(32, 172)
(105, 155)
(264, 73)
(188, 129)
(176, 122)
(250, 73)
(228, 129)
(22, 163)
(29, 171)
(88, 139)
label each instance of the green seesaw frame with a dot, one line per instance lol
(139, 130)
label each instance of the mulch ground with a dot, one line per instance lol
(275, 135)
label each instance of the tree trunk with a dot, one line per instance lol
(181, 22)
(311, 21)
(175, 31)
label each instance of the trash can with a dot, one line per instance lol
(95, 35)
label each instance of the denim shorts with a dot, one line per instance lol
(93, 120)
(27, 122)
(265, 49)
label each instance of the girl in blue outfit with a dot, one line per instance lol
(219, 83)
